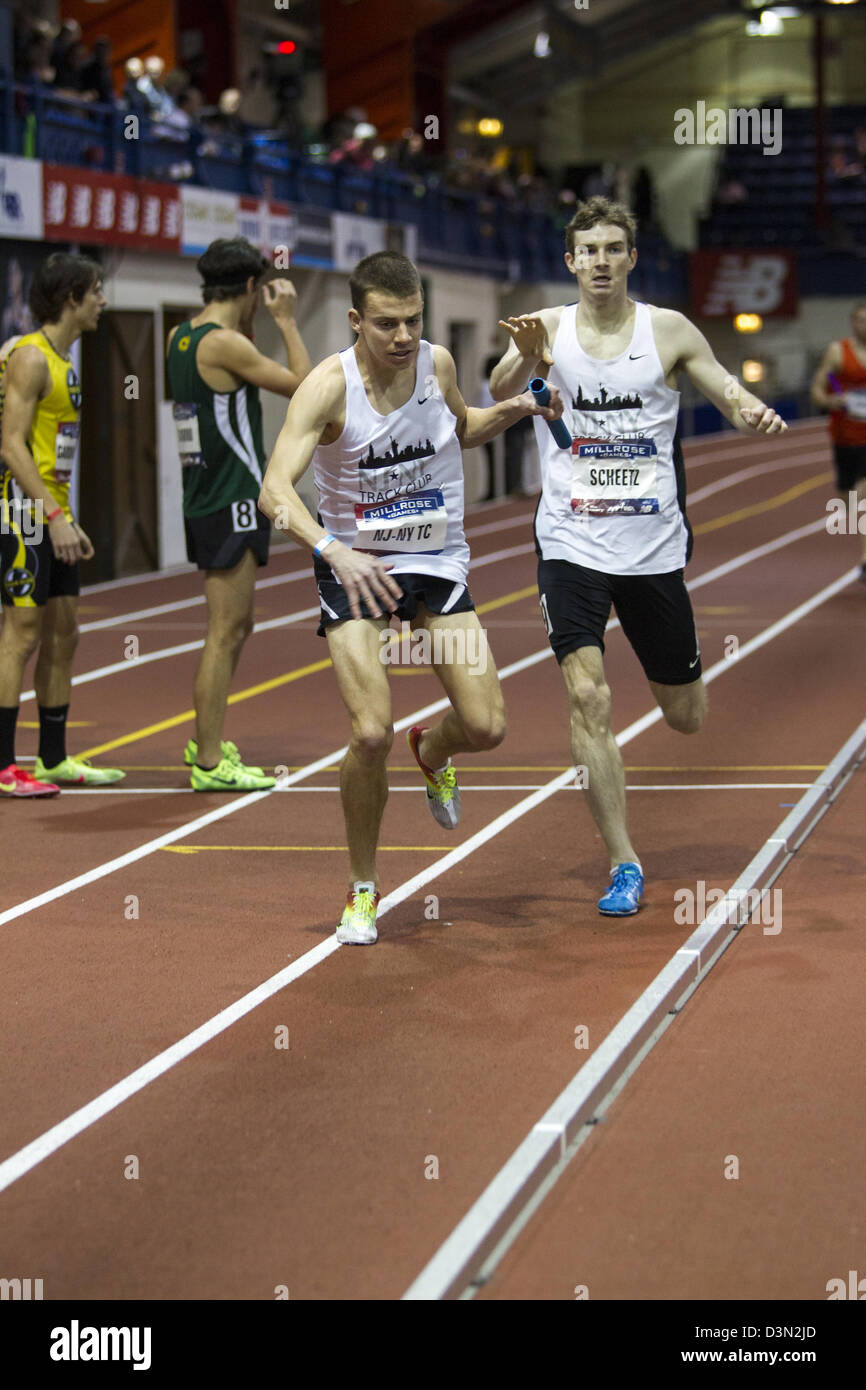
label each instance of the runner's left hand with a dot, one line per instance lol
(84, 542)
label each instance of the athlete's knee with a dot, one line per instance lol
(485, 729)
(372, 739)
(229, 634)
(589, 703)
(687, 717)
(21, 636)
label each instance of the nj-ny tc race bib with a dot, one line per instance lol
(614, 477)
(416, 523)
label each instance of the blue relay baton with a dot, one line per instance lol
(558, 428)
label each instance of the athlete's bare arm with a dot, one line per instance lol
(316, 415)
(229, 350)
(528, 354)
(26, 382)
(821, 394)
(685, 348)
(476, 424)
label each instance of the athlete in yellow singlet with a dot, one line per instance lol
(40, 540)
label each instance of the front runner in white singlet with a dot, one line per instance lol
(610, 526)
(385, 425)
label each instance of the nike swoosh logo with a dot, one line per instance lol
(631, 358)
(424, 401)
(695, 662)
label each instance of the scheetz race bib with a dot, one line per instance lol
(66, 451)
(614, 477)
(188, 438)
(411, 523)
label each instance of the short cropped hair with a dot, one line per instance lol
(58, 277)
(226, 266)
(386, 271)
(588, 214)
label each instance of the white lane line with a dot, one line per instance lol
(48, 1143)
(523, 664)
(301, 615)
(197, 599)
(118, 667)
(771, 445)
(476, 1245)
(466, 786)
(758, 470)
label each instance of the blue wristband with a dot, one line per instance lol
(326, 540)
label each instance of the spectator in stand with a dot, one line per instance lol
(133, 96)
(600, 184)
(643, 198)
(840, 165)
(96, 76)
(411, 156)
(174, 122)
(68, 80)
(150, 85)
(68, 34)
(37, 67)
(16, 318)
(358, 150)
(224, 119)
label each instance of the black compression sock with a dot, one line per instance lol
(8, 720)
(52, 734)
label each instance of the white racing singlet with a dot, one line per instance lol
(392, 485)
(611, 503)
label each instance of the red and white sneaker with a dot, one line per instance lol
(14, 781)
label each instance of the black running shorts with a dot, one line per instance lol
(439, 596)
(654, 609)
(31, 574)
(850, 465)
(218, 541)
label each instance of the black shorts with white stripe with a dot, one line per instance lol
(654, 609)
(219, 540)
(438, 596)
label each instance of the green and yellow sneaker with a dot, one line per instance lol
(443, 793)
(358, 923)
(229, 777)
(229, 751)
(77, 772)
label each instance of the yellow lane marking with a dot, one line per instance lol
(189, 714)
(721, 608)
(528, 767)
(730, 518)
(260, 689)
(530, 592)
(303, 849)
